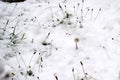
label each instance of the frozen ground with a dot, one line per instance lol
(38, 40)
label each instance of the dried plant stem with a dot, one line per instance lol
(81, 26)
(56, 77)
(47, 37)
(82, 4)
(73, 74)
(40, 64)
(97, 14)
(38, 22)
(87, 12)
(106, 52)
(77, 9)
(62, 10)
(91, 14)
(76, 45)
(82, 10)
(17, 17)
(31, 58)
(18, 62)
(50, 10)
(81, 15)
(23, 60)
(13, 10)
(4, 30)
(51, 46)
(38, 59)
(83, 70)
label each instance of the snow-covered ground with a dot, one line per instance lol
(60, 40)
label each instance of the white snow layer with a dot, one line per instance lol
(38, 40)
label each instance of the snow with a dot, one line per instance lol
(39, 21)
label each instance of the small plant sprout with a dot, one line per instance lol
(5, 27)
(97, 14)
(56, 77)
(73, 74)
(106, 52)
(50, 10)
(23, 36)
(15, 37)
(76, 42)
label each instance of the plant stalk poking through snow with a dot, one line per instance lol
(91, 14)
(5, 27)
(40, 64)
(76, 42)
(106, 52)
(13, 10)
(97, 14)
(82, 10)
(87, 12)
(31, 58)
(73, 74)
(62, 10)
(83, 70)
(50, 10)
(55, 76)
(77, 9)
(19, 66)
(44, 42)
(86, 75)
(22, 60)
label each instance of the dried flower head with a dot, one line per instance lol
(76, 39)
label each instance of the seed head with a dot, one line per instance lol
(76, 39)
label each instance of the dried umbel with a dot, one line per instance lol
(76, 42)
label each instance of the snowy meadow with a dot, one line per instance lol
(60, 40)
